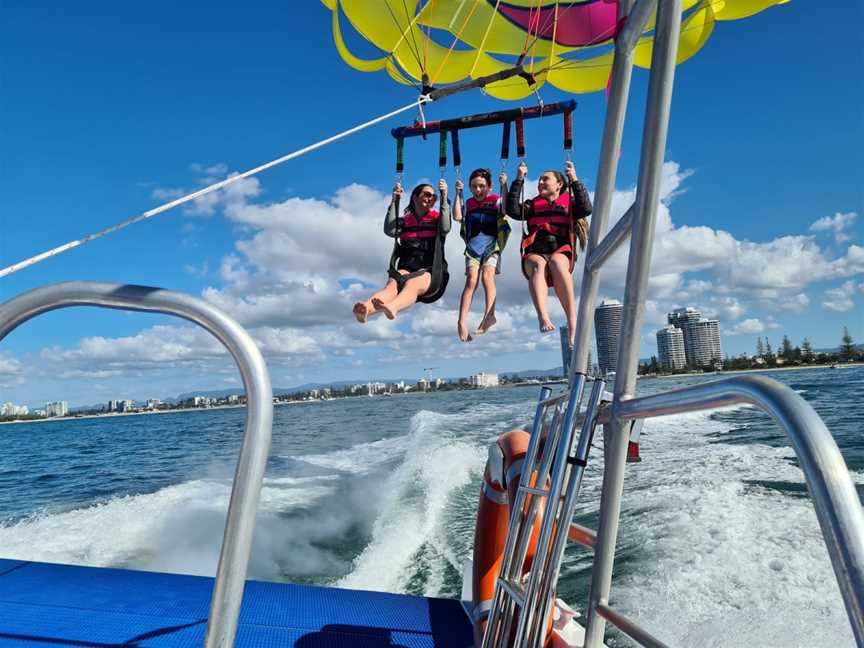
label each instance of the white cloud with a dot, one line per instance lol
(197, 271)
(840, 299)
(746, 327)
(837, 224)
(167, 193)
(9, 366)
(299, 264)
(850, 264)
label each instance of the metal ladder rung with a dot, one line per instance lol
(542, 492)
(583, 535)
(514, 591)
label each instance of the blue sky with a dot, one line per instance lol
(108, 108)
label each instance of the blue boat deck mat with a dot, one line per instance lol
(45, 604)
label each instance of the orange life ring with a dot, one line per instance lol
(500, 484)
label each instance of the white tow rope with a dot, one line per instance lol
(15, 267)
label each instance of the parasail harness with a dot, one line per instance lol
(422, 128)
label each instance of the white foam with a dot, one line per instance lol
(361, 458)
(176, 529)
(414, 502)
(721, 562)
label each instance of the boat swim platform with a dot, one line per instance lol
(44, 604)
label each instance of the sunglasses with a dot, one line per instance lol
(426, 194)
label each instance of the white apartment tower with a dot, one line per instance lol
(607, 329)
(56, 408)
(670, 348)
(484, 380)
(701, 336)
(705, 342)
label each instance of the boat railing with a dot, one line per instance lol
(552, 472)
(237, 541)
(831, 488)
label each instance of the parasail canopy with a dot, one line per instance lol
(568, 44)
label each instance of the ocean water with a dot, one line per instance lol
(719, 545)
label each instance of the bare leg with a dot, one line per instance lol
(535, 268)
(362, 310)
(407, 296)
(465, 303)
(488, 288)
(559, 267)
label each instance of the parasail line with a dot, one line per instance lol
(413, 50)
(455, 41)
(410, 29)
(485, 36)
(15, 267)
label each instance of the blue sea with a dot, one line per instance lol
(719, 545)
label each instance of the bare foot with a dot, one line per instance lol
(546, 326)
(463, 332)
(487, 323)
(361, 312)
(381, 306)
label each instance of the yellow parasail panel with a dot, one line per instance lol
(589, 75)
(695, 32)
(454, 40)
(737, 9)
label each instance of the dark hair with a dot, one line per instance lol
(416, 192)
(481, 173)
(558, 176)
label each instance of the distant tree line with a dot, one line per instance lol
(765, 356)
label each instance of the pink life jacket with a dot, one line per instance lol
(424, 227)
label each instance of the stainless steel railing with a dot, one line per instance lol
(237, 541)
(838, 508)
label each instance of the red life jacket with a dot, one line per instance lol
(552, 218)
(424, 227)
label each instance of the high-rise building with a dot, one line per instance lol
(705, 342)
(56, 408)
(684, 318)
(607, 329)
(484, 380)
(701, 336)
(670, 347)
(566, 349)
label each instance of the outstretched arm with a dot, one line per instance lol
(581, 201)
(513, 207)
(391, 220)
(457, 202)
(444, 211)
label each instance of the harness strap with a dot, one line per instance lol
(505, 142)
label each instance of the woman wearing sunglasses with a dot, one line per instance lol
(555, 219)
(418, 270)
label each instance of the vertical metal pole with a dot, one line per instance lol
(641, 241)
(498, 599)
(619, 91)
(556, 483)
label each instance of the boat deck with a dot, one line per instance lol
(63, 605)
